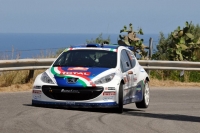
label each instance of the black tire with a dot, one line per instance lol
(120, 99)
(146, 97)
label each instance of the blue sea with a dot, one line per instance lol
(35, 45)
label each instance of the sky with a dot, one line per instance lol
(96, 16)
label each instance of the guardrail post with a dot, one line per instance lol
(30, 75)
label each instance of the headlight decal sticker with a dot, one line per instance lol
(83, 80)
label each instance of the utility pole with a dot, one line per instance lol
(150, 47)
(150, 51)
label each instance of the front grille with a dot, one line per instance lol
(71, 93)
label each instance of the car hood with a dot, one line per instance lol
(76, 76)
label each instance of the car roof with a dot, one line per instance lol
(108, 46)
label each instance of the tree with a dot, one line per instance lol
(182, 44)
(161, 53)
(131, 39)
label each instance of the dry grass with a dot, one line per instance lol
(17, 88)
(170, 83)
(14, 81)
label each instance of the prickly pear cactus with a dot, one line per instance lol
(131, 39)
(183, 44)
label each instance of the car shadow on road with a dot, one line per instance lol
(98, 110)
(174, 117)
(130, 112)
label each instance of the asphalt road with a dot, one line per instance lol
(171, 110)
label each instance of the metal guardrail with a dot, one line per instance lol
(34, 64)
(25, 64)
(170, 65)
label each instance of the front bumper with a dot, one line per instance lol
(75, 104)
(74, 97)
(105, 95)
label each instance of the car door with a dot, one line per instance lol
(134, 78)
(127, 73)
(134, 69)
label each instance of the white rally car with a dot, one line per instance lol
(93, 75)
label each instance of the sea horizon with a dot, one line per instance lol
(31, 45)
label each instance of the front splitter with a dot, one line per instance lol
(76, 104)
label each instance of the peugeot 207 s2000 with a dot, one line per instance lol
(93, 75)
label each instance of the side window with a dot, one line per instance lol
(125, 62)
(132, 58)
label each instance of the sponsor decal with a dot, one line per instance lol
(78, 68)
(82, 76)
(37, 97)
(76, 73)
(109, 88)
(37, 94)
(109, 93)
(108, 98)
(37, 91)
(69, 91)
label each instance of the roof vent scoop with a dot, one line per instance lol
(92, 45)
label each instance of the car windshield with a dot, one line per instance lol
(87, 58)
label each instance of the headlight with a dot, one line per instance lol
(46, 79)
(105, 79)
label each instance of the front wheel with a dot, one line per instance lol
(120, 99)
(146, 97)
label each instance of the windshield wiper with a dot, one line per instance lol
(56, 65)
(61, 66)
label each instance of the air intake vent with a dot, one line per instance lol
(92, 45)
